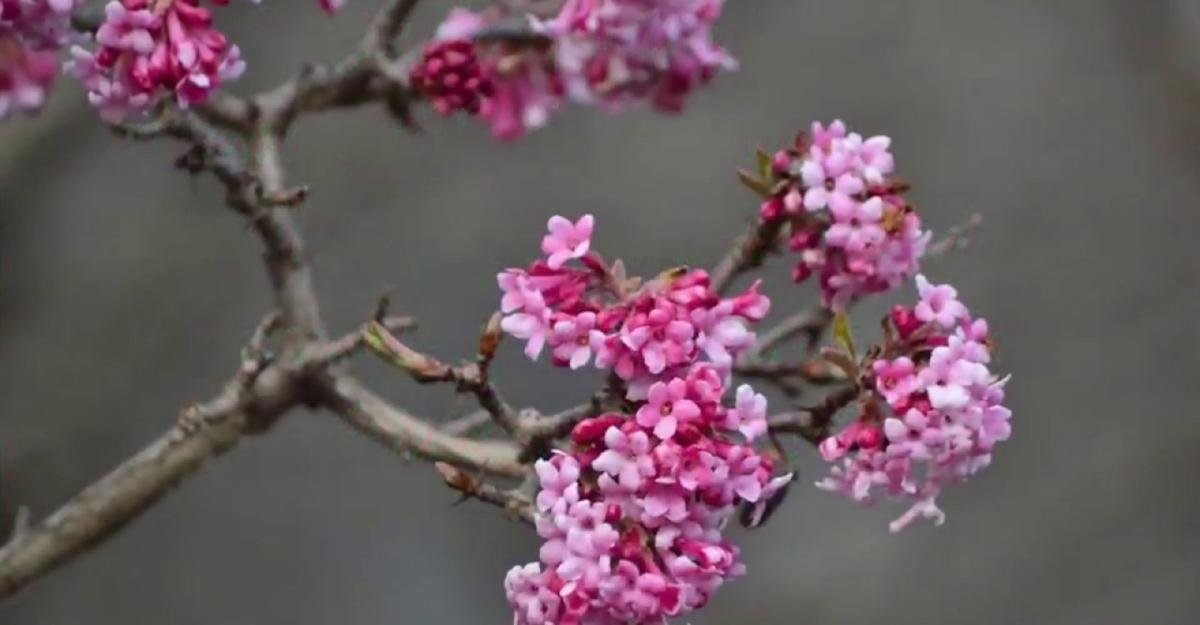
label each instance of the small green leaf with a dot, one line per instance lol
(764, 163)
(841, 332)
(755, 184)
(383, 344)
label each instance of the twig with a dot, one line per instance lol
(400, 431)
(514, 502)
(814, 424)
(425, 369)
(748, 251)
(956, 238)
(465, 425)
(811, 323)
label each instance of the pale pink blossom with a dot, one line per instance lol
(567, 240)
(666, 407)
(939, 303)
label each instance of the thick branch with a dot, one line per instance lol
(254, 396)
(106, 506)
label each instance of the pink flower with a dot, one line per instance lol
(532, 327)
(555, 476)
(659, 339)
(827, 193)
(939, 303)
(856, 226)
(451, 77)
(576, 338)
(896, 380)
(616, 53)
(666, 407)
(749, 413)
(626, 458)
(25, 75)
(567, 240)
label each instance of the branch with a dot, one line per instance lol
(514, 502)
(364, 75)
(956, 238)
(254, 397)
(470, 377)
(749, 251)
(812, 323)
(372, 415)
(814, 424)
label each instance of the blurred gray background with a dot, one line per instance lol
(1071, 126)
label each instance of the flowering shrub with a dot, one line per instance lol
(631, 492)
(632, 512)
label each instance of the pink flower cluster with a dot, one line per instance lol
(846, 217)
(148, 48)
(619, 52)
(941, 415)
(608, 52)
(632, 517)
(451, 78)
(588, 312)
(31, 31)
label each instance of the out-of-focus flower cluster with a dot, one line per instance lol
(632, 515)
(588, 311)
(147, 49)
(31, 32)
(611, 53)
(844, 212)
(935, 415)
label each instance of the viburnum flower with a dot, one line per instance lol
(942, 413)
(451, 77)
(31, 32)
(567, 240)
(618, 52)
(842, 211)
(611, 53)
(585, 309)
(515, 86)
(147, 49)
(25, 75)
(632, 514)
(632, 521)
